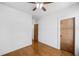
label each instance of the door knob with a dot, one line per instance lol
(60, 35)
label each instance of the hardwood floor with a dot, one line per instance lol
(41, 50)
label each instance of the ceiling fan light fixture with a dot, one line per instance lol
(41, 5)
(37, 5)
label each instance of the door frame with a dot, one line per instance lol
(74, 35)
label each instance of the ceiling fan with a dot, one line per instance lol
(40, 5)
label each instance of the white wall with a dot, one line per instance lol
(34, 21)
(49, 27)
(77, 36)
(48, 31)
(15, 29)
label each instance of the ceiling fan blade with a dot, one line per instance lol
(32, 2)
(34, 9)
(41, 2)
(44, 8)
(47, 2)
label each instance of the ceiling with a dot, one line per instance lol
(27, 7)
(21, 6)
(52, 8)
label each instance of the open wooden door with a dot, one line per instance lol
(67, 30)
(35, 42)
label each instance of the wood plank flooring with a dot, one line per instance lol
(41, 50)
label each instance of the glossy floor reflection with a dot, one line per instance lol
(39, 50)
